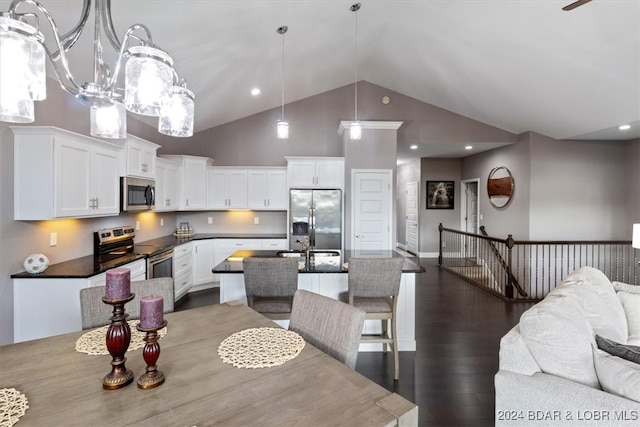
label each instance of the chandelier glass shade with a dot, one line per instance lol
(149, 76)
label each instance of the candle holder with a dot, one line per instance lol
(152, 377)
(118, 339)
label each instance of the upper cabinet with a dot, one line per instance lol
(140, 157)
(61, 174)
(192, 183)
(267, 188)
(315, 172)
(167, 178)
(226, 188)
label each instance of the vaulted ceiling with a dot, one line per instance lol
(519, 65)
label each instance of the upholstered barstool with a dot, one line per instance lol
(96, 313)
(270, 284)
(374, 285)
(328, 324)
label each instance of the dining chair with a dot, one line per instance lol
(270, 284)
(96, 313)
(328, 324)
(374, 285)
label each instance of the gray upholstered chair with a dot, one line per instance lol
(328, 324)
(270, 284)
(96, 313)
(374, 284)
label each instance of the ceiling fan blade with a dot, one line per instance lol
(575, 4)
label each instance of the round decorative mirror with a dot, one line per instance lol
(500, 186)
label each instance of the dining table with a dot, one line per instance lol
(64, 386)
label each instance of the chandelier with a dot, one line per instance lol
(152, 86)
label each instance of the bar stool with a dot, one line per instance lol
(374, 285)
(270, 284)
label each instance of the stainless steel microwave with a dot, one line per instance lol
(137, 194)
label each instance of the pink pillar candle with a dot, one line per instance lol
(118, 284)
(151, 315)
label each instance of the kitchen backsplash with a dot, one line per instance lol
(236, 221)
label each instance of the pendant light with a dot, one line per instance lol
(282, 130)
(356, 130)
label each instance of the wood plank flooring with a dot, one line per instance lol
(458, 331)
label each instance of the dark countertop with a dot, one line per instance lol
(334, 264)
(89, 265)
(79, 268)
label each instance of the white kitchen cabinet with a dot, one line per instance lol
(46, 307)
(267, 188)
(274, 244)
(203, 261)
(61, 174)
(192, 185)
(167, 178)
(140, 157)
(226, 188)
(182, 271)
(315, 172)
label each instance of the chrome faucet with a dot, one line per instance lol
(306, 247)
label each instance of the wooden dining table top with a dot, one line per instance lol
(64, 387)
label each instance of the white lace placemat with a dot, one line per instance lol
(13, 405)
(260, 347)
(95, 344)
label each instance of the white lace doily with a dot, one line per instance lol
(13, 405)
(95, 344)
(260, 347)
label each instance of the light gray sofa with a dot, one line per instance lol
(551, 370)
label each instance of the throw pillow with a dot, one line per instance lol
(559, 338)
(631, 305)
(628, 352)
(625, 287)
(617, 376)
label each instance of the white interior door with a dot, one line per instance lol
(470, 220)
(372, 209)
(411, 228)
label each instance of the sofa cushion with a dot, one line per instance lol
(631, 305)
(560, 339)
(595, 294)
(617, 376)
(625, 287)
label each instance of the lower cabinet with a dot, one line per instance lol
(182, 269)
(203, 260)
(46, 307)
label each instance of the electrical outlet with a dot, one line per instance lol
(209, 220)
(137, 225)
(161, 222)
(256, 220)
(444, 244)
(53, 239)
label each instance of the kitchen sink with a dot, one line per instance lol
(325, 253)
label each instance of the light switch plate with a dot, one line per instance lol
(53, 239)
(256, 220)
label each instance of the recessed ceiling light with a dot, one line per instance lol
(624, 127)
(468, 147)
(414, 147)
(255, 91)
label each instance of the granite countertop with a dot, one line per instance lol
(233, 264)
(89, 265)
(79, 268)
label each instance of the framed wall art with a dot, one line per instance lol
(440, 194)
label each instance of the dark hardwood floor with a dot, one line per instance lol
(458, 331)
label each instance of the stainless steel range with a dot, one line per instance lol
(114, 243)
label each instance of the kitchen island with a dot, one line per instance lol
(328, 275)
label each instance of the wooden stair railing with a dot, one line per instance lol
(513, 282)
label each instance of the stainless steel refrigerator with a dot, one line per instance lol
(316, 218)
